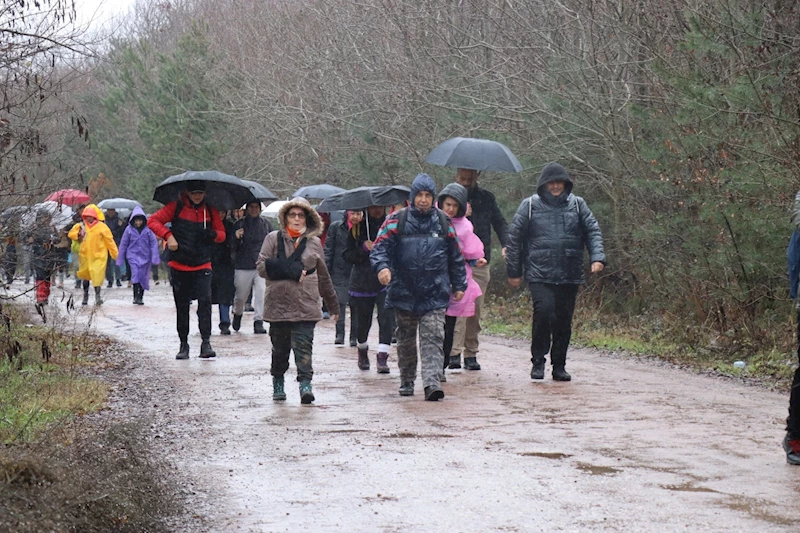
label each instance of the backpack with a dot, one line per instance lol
(403, 217)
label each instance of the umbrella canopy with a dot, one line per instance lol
(60, 215)
(119, 203)
(317, 191)
(223, 191)
(271, 211)
(363, 197)
(476, 154)
(69, 197)
(260, 192)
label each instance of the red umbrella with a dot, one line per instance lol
(69, 197)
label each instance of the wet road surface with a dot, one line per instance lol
(626, 446)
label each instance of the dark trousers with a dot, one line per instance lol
(138, 291)
(362, 307)
(188, 286)
(793, 422)
(449, 333)
(112, 270)
(341, 319)
(292, 336)
(553, 306)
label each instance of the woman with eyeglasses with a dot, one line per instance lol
(293, 263)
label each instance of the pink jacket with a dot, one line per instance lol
(471, 249)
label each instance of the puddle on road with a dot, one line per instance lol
(343, 431)
(597, 470)
(546, 455)
(688, 487)
(406, 435)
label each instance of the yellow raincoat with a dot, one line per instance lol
(97, 243)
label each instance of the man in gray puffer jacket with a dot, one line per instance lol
(546, 239)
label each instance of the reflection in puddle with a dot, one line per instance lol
(546, 455)
(596, 470)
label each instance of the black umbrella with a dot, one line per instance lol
(363, 197)
(317, 191)
(476, 154)
(223, 191)
(260, 192)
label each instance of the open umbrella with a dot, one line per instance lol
(69, 197)
(476, 154)
(260, 192)
(363, 197)
(317, 191)
(223, 191)
(271, 211)
(119, 203)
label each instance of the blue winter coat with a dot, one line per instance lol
(139, 247)
(425, 261)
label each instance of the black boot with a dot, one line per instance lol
(183, 353)
(237, 322)
(339, 339)
(455, 361)
(537, 372)
(353, 342)
(224, 328)
(471, 363)
(206, 351)
(407, 388)
(433, 393)
(97, 299)
(559, 374)
(363, 358)
(85, 296)
(258, 327)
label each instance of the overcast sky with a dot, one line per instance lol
(98, 13)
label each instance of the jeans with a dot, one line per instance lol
(341, 320)
(224, 314)
(553, 306)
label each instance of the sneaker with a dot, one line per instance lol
(433, 393)
(237, 322)
(306, 396)
(792, 449)
(455, 361)
(559, 374)
(407, 388)
(206, 351)
(537, 372)
(183, 353)
(471, 363)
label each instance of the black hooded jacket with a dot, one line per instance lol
(548, 234)
(486, 215)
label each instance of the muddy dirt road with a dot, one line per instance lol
(626, 446)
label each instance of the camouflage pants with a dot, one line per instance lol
(292, 336)
(431, 339)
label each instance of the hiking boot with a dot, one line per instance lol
(792, 449)
(278, 394)
(455, 361)
(339, 339)
(363, 358)
(110, 284)
(224, 328)
(206, 351)
(559, 374)
(537, 372)
(237, 322)
(353, 342)
(383, 367)
(306, 396)
(407, 388)
(442, 377)
(471, 363)
(119, 283)
(98, 300)
(85, 298)
(258, 327)
(433, 393)
(183, 353)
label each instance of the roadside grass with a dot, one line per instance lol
(510, 315)
(43, 377)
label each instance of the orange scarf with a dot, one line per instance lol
(295, 235)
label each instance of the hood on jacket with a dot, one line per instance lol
(92, 210)
(314, 224)
(422, 182)
(458, 193)
(137, 212)
(554, 172)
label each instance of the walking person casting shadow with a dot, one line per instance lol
(546, 238)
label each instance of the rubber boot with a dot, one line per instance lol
(85, 296)
(455, 361)
(237, 322)
(258, 327)
(278, 393)
(363, 358)
(98, 300)
(471, 363)
(383, 367)
(306, 396)
(183, 352)
(206, 351)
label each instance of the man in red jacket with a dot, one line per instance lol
(195, 226)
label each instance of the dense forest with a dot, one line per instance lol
(678, 120)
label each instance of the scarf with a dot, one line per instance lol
(295, 235)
